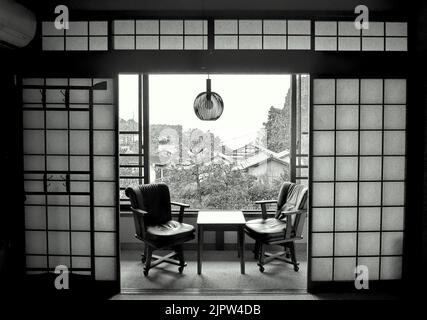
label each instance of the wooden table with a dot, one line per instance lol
(221, 221)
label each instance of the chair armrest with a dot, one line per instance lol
(265, 201)
(263, 204)
(291, 213)
(142, 212)
(139, 221)
(181, 210)
(180, 204)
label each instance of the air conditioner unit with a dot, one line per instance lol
(17, 24)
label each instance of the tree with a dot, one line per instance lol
(277, 127)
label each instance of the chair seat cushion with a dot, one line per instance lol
(170, 231)
(270, 229)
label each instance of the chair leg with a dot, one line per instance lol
(144, 255)
(293, 256)
(261, 255)
(180, 254)
(256, 250)
(149, 252)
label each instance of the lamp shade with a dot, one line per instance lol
(208, 105)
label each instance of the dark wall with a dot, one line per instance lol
(11, 195)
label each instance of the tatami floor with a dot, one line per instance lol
(221, 271)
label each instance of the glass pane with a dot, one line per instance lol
(225, 27)
(104, 143)
(274, 26)
(395, 91)
(375, 29)
(79, 120)
(345, 244)
(348, 28)
(369, 243)
(322, 219)
(370, 142)
(79, 163)
(104, 193)
(347, 143)
(371, 116)
(35, 217)
(370, 168)
(80, 218)
(34, 142)
(391, 268)
(347, 91)
(77, 28)
(396, 44)
(171, 27)
(324, 91)
(98, 28)
(299, 27)
(345, 219)
(250, 26)
(105, 219)
(104, 168)
(393, 218)
(53, 43)
(323, 194)
(346, 169)
(124, 27)
(323, 117)
(58, 218)
(274, 42)
(33, 120)
(124, 42)
(323, 143)
(394, 143)
(395, 117)
(56, 120)
(323, 169)
(80, 243)
(35, 242)
(373, 266)
(225, 42)
(299, 42)
(326, 28)
(76, 43)
(147, 42)
(147, 27)
(326, 43)
(346, 194)
(348, 44)
(250, 42)
(105, 268)
(57, 142)
(195, 43)
(396, 29)
(373, 44)
(322, 244)
(394, 193)
(59, 242)
(344, 269)
(171, 42)
(105, 244)
(321, 269)
(394, 168)
(98, 43)
(128, 103)
(79, 142)
(392, 243)
(104, 96)
(370, 193)
(48, 28)
(347, 117)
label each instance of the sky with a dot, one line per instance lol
(247, 99)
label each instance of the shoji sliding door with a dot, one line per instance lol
(358, 132)
(70, 163)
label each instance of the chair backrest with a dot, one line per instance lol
(154, 199)
(292, 197)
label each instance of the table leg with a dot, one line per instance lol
(242, 250)
(199, 248)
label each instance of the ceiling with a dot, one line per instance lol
(41, 6)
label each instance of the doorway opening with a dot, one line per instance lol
(260, 141)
